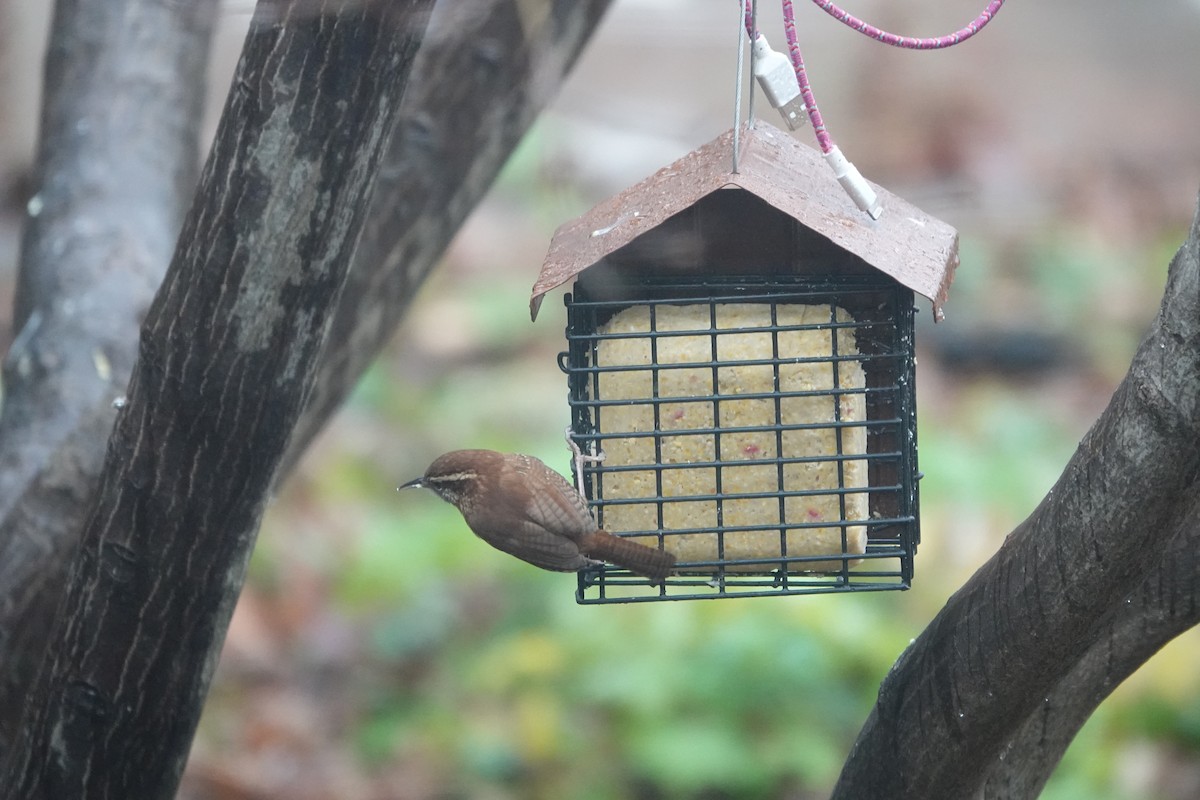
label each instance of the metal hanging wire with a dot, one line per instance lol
(747, 21)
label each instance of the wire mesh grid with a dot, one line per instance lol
(763, 432)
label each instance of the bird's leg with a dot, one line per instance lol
(579, 458)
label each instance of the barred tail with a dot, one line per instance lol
(646, 561)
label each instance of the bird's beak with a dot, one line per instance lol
(414, 482)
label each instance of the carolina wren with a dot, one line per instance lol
(517, 504)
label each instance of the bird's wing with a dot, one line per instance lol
(560, 508)
(543, 525)
(531, 542)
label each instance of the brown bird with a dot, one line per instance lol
(517, 504)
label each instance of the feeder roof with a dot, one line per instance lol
(917, 250)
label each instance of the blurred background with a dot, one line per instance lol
(380, 651)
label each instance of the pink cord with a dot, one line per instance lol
(789, 27)
(824, 140)
(909, 42)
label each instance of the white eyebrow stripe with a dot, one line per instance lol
(454, 476)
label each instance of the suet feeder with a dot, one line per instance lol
(740, 350)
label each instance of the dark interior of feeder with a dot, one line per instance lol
(732, 228)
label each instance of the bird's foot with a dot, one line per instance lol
(580, 457)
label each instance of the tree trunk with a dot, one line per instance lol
(227, 359)
(116, 169)
(1164, 606)
(1030, 622)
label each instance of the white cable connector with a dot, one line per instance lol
(854, 183)
(777, 78)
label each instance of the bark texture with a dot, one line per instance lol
(1035, 619)
(116, 168)
(226, 359)
(1164, 606)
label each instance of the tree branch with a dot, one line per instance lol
(1164, 606)
(958, 696)
(227, 357)
(116, 168)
